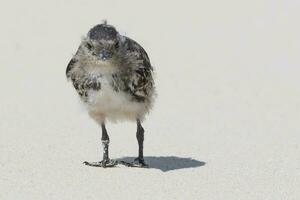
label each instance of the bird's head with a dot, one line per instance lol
(102, 42)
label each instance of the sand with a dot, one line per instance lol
(225, 124)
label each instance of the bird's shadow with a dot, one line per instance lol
(168, 163)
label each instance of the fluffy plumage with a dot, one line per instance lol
(112, 75)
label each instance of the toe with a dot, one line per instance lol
(93, 164)
(103, 163)
(140, 162)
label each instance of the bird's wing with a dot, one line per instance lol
(139, 81)
(70, 66)
(137, 53)
(80, 81)
(72, 63)
(140, 84)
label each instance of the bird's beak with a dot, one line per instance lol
(104, 54)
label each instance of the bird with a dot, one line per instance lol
(113, 77)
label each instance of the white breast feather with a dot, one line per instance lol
(107, 103)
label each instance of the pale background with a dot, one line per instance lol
(227, 75)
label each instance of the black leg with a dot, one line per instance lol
(140, 138)
(105, 142)
(139, 161)
(106, 162)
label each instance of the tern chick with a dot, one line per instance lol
(114, 78)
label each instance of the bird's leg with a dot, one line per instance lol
(106, 162)
(105, 142)
(139, 161)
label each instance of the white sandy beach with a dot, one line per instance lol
(225, 124)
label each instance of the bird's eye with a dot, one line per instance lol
(117, 45)
(89, 46)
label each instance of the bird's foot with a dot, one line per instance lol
(138, 162)
(103, 163)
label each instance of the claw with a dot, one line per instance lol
(103, 163)
(138, 162)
